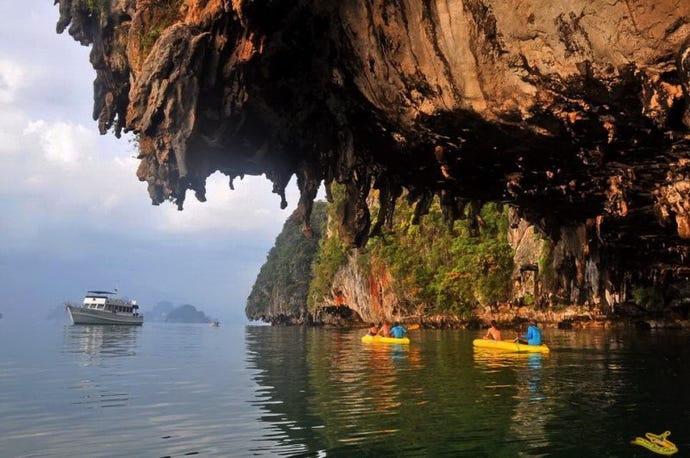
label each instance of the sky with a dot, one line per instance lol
(75, 217)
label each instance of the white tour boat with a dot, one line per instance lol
(102, 307)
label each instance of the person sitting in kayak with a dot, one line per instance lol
(374, 329)
(493, 333)
(398, 331)
(385, 328)
(533, 335)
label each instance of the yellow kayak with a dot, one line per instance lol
(509, 345)
(379, 339)
(658, 443)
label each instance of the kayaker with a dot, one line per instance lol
(533, 335)
(385, 328)
(398, 331)
(493, 333)
(373, 329)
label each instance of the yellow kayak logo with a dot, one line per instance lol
(657, 443)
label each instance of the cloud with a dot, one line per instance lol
(12, 78)
(250, 208)
(91, 178)
(61, 143)
(52, 153)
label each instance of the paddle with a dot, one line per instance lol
(412, 327)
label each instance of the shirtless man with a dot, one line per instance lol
(493, 333)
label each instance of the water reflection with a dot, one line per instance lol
(323, 390)
(514, 384)
(379, 388)
(532, 412)
(279, 364)
(493, 359)
(100, 341)
(98, 347)
(534, 364)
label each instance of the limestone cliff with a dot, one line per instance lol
(279, 294)
(574, 113)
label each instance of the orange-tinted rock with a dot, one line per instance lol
(570, 112)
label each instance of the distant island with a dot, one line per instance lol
(166, 312)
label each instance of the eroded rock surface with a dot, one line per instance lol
(575, 113)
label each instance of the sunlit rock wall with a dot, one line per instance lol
(575, 113)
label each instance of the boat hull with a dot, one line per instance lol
(80, 315)
(509, 346)
(380, 339)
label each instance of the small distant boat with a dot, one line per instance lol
(509, 345)
(103, 307)
(215, 324)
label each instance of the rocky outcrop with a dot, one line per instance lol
(575, 113)
(367, 292)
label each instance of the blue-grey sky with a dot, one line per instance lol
(74, 216)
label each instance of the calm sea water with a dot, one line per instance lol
(234, 391)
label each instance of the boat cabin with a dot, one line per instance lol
(102, 300)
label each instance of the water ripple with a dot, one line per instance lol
(167, 390)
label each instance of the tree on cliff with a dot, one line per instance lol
(280, 291)
(449, 271)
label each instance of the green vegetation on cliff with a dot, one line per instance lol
(283, 282)
(448, 271)
(331, 255)
(444, 270)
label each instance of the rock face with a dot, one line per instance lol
(279, 295)
(575, 113)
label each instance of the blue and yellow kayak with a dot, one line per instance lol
(509, 345)
(379, 339)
